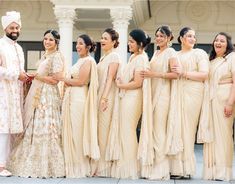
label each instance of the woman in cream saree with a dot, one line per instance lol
(218, 154)
(189, 96)
(79, 112)
(161, 77)
(134, 100)
(39, 153)
(107, 71)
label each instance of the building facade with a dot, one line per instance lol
(74, 17)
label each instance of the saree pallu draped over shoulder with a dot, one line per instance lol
(79, 114)
(103, 166)
(133, 158)
(185, 108)
(161, 95)
(218, 153)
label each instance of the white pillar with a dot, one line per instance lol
(120, 18)
(65, 17)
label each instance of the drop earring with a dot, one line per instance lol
(169, 44)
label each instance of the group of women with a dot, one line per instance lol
(93, 131)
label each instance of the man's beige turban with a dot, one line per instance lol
(10, 17)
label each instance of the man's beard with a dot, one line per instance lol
(13, 37)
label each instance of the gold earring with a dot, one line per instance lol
(169, 44)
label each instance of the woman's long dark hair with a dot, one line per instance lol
(229, 49)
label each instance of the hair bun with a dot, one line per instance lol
(93, 47)
(148, 39)
(140, 37)
(178, 39)
(114, 36)
(88, 42)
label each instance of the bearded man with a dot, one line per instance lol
(12, 76)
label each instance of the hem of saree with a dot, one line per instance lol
(79, 170)
(182, 168)
(128, 170)
(217, 173)
(160, 171)
(104, 169)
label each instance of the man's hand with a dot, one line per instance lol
(23, 77)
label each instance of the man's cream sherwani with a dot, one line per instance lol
(11, 91)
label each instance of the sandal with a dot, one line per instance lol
(5, 173)
(176, 177)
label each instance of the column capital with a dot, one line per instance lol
(65, 14)
(121, 15)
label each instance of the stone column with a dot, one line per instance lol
(120, 18)
(65, 17)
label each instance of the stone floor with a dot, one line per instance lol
(195, 180)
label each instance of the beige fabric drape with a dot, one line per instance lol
(90, 137)
(133, 103)
(79, 113)
(104, 164)
(186, 108)
(161, 90)
(218, 154)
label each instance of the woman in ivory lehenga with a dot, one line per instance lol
(161, 76)
(39, 152)
(218, 151)
(107, 70)
(134, 100)
(184, 113)
(79, 112)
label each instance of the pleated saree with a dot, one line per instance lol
(161, 89)
(133, 159)
(185, 107)
(79, 114)
(103, 167)
(218, 154)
